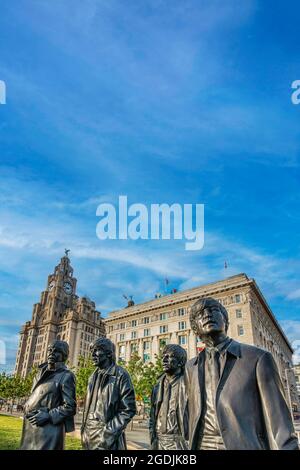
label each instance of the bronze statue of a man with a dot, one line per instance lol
(50, 409)
(167, 421)
(234, 393)
(110, 401)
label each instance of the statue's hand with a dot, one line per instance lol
(39, 419)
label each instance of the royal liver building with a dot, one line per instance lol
(60, 314)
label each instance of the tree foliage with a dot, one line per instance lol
(15, 387)
(144, 375)
(83, 371)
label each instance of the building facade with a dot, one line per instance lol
(60, 314)
(147, 327)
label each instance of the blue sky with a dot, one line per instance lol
(163, 101)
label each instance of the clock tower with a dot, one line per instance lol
(60, 314)
(61, 287)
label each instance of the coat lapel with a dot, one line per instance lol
(110, 373)
(90, 388)
(159, 395)
(44, 373)
(196, 392)
(39, 377)
(232, 354)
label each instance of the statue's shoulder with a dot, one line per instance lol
(192, 363)
(67, 374)
(70, 372)
(248, 350)
(120, 371)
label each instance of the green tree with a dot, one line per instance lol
(143, 375)
(28, 381)
(83, 371)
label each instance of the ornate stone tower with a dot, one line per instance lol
(60, 314)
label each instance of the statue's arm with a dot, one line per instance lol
(277, 415)
(68, 394)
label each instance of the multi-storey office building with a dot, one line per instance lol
(147, 327)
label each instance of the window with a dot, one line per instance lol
(146, 345)
(122, 337)
(182, 325)
(163, 316)
(237, 298)
(146, 357)
(133, 335)
(122, 326)
(133, 348)
(238, 313)
(122, 352)
(240, 330)
(163, 329)
(181, 312)
(147, 332)
(133, 323)
(146, 320)
(182, 340)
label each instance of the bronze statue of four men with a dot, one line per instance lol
(229, 397)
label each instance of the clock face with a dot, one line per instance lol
(51, 285)
(68, 288)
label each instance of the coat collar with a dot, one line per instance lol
(58, 366)
(44, 372)
(112, 370)
(234, 349)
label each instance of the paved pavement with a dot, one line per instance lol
(138, 439)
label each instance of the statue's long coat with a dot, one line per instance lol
(117, 409)
(52, 391)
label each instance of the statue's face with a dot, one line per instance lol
(54, 354)
(99, 356)
(170, 362)
(211, 320)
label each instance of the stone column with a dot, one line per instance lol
(154, 347)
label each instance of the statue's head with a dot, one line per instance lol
(208, 317)
(58, 351)
(174, 358)
(103, 352)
